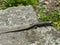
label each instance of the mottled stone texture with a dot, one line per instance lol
(40, 36)
(21, 17)
(16, 18)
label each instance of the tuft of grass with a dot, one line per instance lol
(11, 3)
(46, 14)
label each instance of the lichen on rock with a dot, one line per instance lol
(15, 18)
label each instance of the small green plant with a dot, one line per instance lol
(49, 15)
(11, 3)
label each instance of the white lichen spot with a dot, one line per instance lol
(9, 21)
(1, 12)
(18, 10)
(11, 14)
(24, 17)
(49, 28)
(9, 41)
(10, 11)
(36, 43)
(44, 30)
(58, 40)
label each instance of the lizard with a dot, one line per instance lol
(33, 26)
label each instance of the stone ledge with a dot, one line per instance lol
(15, 18)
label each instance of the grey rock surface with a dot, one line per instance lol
(39, 36)
(15, 18)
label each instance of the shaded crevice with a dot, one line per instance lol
(31, 27)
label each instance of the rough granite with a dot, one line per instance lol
(39, 36)
(15, 18)
(21, 17)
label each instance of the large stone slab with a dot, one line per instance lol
(15, 18)
(39, 36)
